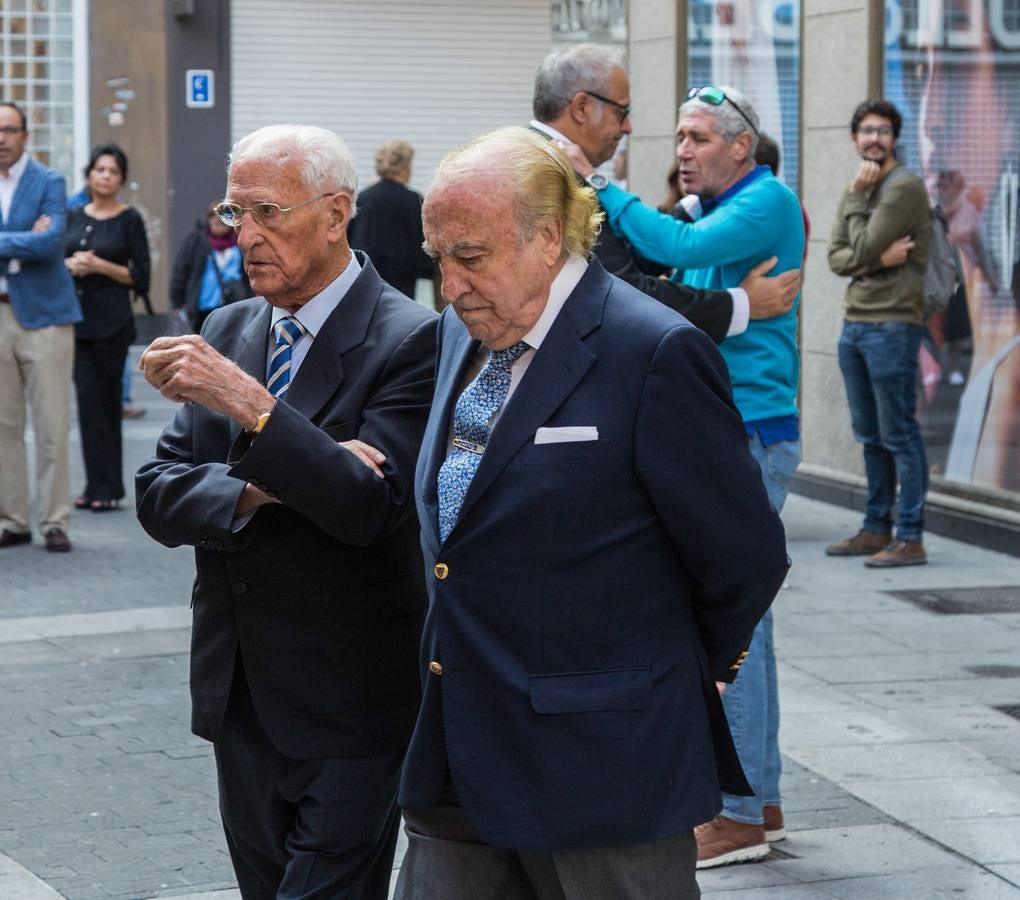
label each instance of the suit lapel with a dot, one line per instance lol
(252, 354)
(457, 353)
(26, 185)
(322, 372)
(558, 367)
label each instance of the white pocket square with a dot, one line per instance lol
(566, 434)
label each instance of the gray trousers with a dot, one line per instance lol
(446, 860)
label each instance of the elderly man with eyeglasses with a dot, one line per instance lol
(582, 97)
(289, 469)
(748, 215)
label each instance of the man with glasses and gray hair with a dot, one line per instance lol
(289, 469)
(748, 215)
(582, 96)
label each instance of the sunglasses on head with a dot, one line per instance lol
(714, 96)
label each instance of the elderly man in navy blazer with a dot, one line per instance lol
(598, 548)
(38, 309)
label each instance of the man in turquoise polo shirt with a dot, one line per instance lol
(747, 215)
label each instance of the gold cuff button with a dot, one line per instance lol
(435, 668)
(441, 571)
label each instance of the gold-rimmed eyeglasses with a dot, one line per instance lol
(264, 212)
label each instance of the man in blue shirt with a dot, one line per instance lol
(748, 215)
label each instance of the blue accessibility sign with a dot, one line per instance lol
(200, 88)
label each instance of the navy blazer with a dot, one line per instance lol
(592, 592)
(322, 594)
(42, 292)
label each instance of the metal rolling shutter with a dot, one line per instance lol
(432, 73)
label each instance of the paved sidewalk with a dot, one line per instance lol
(902, 777)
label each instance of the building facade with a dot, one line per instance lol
(437, 73)
(953, 69)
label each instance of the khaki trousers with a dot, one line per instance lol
(35, 366)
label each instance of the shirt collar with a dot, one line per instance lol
(757, 172)
(561, 288)
(314, 313)
(15, 172)
(549, 131)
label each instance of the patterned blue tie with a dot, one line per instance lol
(288, 330)
(471, 416)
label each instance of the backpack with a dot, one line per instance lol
(943, 274)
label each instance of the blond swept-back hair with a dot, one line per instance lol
(393, 157)
(544, 183)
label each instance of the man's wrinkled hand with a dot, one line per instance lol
(867, 176)
(896, 253)
(770, 297)
(577, 158)
(187, 369)
(367, 454)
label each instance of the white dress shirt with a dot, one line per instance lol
(741, 304)
(8, 186)
(313, 315)
(562, 286)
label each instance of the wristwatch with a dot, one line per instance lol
(597, 180)
(260, 422)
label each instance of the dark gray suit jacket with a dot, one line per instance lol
(321, 595)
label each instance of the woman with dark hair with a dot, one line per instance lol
(107, 254)
(208, 270)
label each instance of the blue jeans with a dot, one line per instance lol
(879, 365)
(752, 701)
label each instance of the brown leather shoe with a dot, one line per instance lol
(898, 553)
(57, 541)
(13, 538)
(864, 543)
(774, 830)
(723, 841)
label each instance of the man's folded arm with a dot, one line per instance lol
(40, 245)
(691, 452)
(867, 236)
(302, 467)
(181, 502)
(711, 311)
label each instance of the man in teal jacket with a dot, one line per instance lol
(38, 309)
(747, 215)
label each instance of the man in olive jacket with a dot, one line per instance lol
(880, 239)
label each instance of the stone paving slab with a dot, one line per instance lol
(892, 752)
(17, 883)
(33, 628)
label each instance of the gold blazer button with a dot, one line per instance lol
(441, 571)
(435, 668)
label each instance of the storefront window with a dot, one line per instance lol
(953, 70)
(754, 46)
(36, 67)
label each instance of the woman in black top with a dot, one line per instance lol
(388, 224)
(107, 253)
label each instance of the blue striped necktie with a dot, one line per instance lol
(471, 416)
(288, 330)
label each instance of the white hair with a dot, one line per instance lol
(326, 162)
(728, 121)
